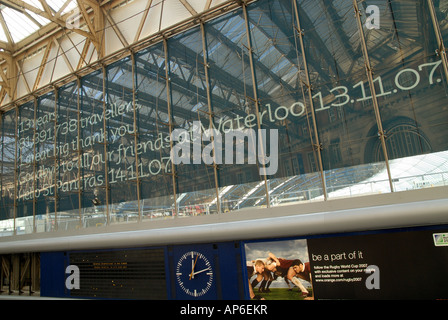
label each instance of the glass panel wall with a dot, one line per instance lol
(95, 188)
(234, 101)
(318, 100)
(46, 161)
(342, 110)
(284, 108)
(195, 179)
(154, 128)
(8, 156)
(121, 153)
(68, 155)
(411, 90)
(25, 168)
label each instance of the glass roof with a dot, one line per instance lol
(21, 18)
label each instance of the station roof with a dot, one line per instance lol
(21, 19)
(25, 21)
(67, 35)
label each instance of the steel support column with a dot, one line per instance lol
(316, 145)
(369, 73)
(56, 154)
(79, 151)
(441, 46)
(170, 121)
(210, 113)
(257, 103)
(135, 134)
(34, 165)
(105, 144)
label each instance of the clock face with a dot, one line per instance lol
(194, 274)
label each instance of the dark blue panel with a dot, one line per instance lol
(231, 276)
(52, 269)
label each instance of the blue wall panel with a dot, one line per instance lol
(52, 269)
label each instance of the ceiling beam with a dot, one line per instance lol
(43, 64)
(115, 28)
(142, 21)
(189, 7)
(19, 65)
(22, 6)
(45, 41)
(6, 29)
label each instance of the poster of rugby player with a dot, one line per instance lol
(278, 270)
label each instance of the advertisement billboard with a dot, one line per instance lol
(400, 264)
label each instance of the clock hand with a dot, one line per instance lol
(201, 271)
(192, 268)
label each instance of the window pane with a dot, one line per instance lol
(94, 198)
(343, 109)
(154, 133)
(46, 162)
(7, 178)
(68, 157)
(25, 169)
(240, 185)
(195, 178)
(121, 153)
(279, 69)
(411, 86)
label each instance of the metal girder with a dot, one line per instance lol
(47, 38)
(74, 43)
(22, 6)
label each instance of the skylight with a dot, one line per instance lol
(21, 18)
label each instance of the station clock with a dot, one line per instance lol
(195, 275)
